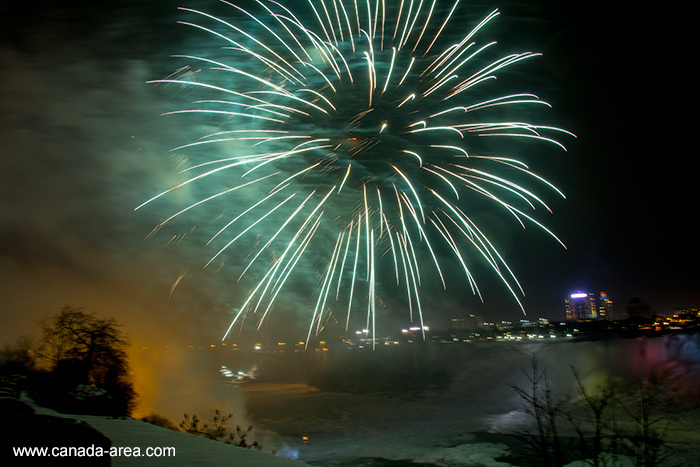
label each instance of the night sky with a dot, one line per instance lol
(83, 144)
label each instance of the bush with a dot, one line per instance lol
(218, 432)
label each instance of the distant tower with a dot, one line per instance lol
(605, 307)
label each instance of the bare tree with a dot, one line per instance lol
(539, 403)
(601, 450)
(601, 440)
(648, 445)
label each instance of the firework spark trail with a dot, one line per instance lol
(355, 97)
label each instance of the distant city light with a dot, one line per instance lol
(579, 295)
(414, 329)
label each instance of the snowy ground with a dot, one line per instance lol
(190, 450)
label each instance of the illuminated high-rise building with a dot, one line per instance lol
(605, 306)
(582, 306)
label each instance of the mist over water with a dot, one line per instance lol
(453, 368)
(405, 401)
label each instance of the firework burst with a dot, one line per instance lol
(358, 127)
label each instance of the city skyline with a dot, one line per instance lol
(84, 145)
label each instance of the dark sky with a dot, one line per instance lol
(83, 144)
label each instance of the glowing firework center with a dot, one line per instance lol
(345, 136)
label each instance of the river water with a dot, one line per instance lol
(456, 401)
